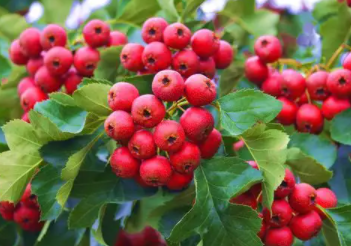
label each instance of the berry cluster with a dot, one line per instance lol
(148, 236)
(143, 128)
(201, 52)
(295, 211)
(300, 95)
(50, 64)
(26, 213)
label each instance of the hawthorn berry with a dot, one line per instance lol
(186, 63)
(207, 67)
(117, 38)
(286, 186)
(197, 123)
(238, 145)
(58, 60)
(268, 48)
(53, 35)
(131, 57)
(96, 33)
(281, 214)
(119, 125)
(293, 84)
(186, 159)
(199, 90)
(279, 237)
(24, 84)
(205, 43)
(246, 199)
(333, 106)
(31, 96)
(168, 85)
(262, 233)
(326, 198)
(28, 218)
(177, 36)
(302, 99)
(71, 81)
(255, 70)
(287, 115)
(34, 64)
(16, 54)
(121, 96)
(253, 164)
(29, 42)
(347, 61)
(210, 146)
(156, 57)
(224, 55)
(306, 226)
(142, 145)
(179, 181)
(317, 85)
(272, 85)
(156, 171)
(28, 199)
(123, 163)
(302, 198)
(7, 210)
(309, 118)
(169, 136)
(46, 81)
(148, 111)
(25, 117)
(339, 83)
(153, 29)
(85, 61)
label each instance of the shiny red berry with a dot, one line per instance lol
(268, 48)
(86, 60)
(279, 237)
(246, 199)
(255, 70)
(117, 38)
(31, 96)
(169, 136)
(186, 159)
(347, 61)
(339, 83)
(207, 67)
(24, 84)
(272, 85)
(262, 233)
(177, 36)
(121, 96)
(303, 197)
(119, 125)
(210, 146)
(156, 171)
(287, 115)
(326, 198)
(34, 64)
(25, 117)
(309, 118)
(152, 29)
(186, 62)
(58, 60)
(179, 181)
(142, 145)
(317, 85)
(46, 81)
(205, 43)
(156, 57)
(96, 33)
(168, 85)
(53, 35)
(123, 163)
(28, 198)
(281, 214)
(7, 210)
(28, 218)
(224, 55)
(71, 81)
(200, 90)
(16, 55)
(333, 106)
(131, 57)
(29, 41)
(286, 186)
(306, 226)
(293, 84)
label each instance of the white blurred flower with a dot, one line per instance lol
(35, 12)
(210, 7)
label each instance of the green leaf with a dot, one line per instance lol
(168, 7)
(56, 11)
(17, 73)
(62, 98)
(324, 9)
(17, 168)
(93, 98)
(316, 146)
(212, 216)
(268, 148)
(268, 22)
(307, 168)
(137, 12)
(191, 6)
(5, 68)
(92, 123)
(11, 26)
(3, 144)
(230, 78)
(69, 119)
(340, 130)
(242, 109)
(109, 61)
(8, 233)
(142, 83)
(240, 7)
(88, 81)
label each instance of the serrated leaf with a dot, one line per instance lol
(93, 98)
(340, 130)
(268, 148)
(17, 168)
(11, 26)
(92, 123)
(142, 83)
(212, 216)
(230, 78)
(191, 6)
(62, 98)
(109, 61)
(242, 109)
(136, 12)
(88, 81)
(324, 9)
(168, 7)
(307, 168)
(316, 146)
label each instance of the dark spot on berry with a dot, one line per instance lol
(112, 95)
(25, 103)
(51, 38)
(187, 167)
(135, 149)
(308, 127)
(146, 113)
(180, 32)
(152, 31)
(313, 199)
(90, 66)
(110, 128)
(264, 42)
(98, 30)
(26, 220)
(320, 92)
(208, 83)
(32, 197)
(171, 140)
(342, 81)
(285, 90)
(166, 81)
(124, 57)
(275, 219)
(151, 60)
(183, 67)
(284, 184)
(56, 64)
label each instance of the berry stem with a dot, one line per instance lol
(335, 56)
(178, 104)
(290, 62)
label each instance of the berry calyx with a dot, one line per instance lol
(280, 216)
(199, 90)
(121, 96)
(317, 85)
(123, 163)
(46, 81)
(303, 197)
(286, 186)
(53, 35)
(339, 83)
(28, 218)
(119, 125)
(58, 60)
(142, 145)
(186, 159)
(96, 33)
(169, 136)
(156, 171)
(186, 63)
(168, 85)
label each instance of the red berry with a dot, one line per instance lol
(347, 61)
(317, 85)
(293, 84)
(121, 96)
(16, 54)
(169, 135)
(86, 60)
(29, 41)
(262, 233)
(131, 57)
(200, 90)
(255, 70)
(25, 84)
(306, 226)
(46, 81)
(140, 181)
(58, 60)
(309, 118)
(256, 191)
(7, 210)
(224, 55)
(186, 63)
(280, 216)
(246, 199)
(279, 237)
(333, 106)
(117, 38)
(148, 111)
(53, 35)
(326, 198)
(71, 81)
(119, 126)
(25, 117)
(152, 29)
(210, 146)
(123, 163)
(302, 199)
(287, 115)
(268, 48)
(179, 181)
(156, 171)
(302, 99)
(186, 159)
(272, 85)
(34, 64)
(28, 218)
(30, 97)
(197, 123)
(28, 199)
(156, 57)
(168, 85)
(96, 33)
(339, 83)
(205, 43)
(177, 36)
(207, 67)
(286, 186)
(253, 164)
(238, 145)
(142, 145)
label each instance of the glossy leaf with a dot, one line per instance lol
(191, 6)
(109, 61)
(136, 11)
(62, 98)
(168, 7)
(8, 233)
(143, 83)
(268, 22)
(340, 130)
(56, 11)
